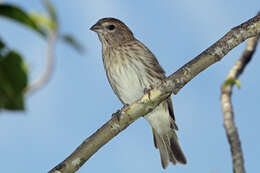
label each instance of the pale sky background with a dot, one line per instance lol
(78, 99)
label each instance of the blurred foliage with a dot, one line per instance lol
(13, 79)
(51, 12)
(19, 15)
(72, 42)
(13, 73)
(49, 21)
(43, 21)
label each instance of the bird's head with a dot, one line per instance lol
(112, 32)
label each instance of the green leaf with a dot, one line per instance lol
(47, 22)
(43, 21)
(232, 81)
(238, 84)
(13, 81)
(69, 39)
(17, 14)
(51, 11)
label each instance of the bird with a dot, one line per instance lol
(131, 68)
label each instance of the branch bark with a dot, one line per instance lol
(151, 99)
(226, 104)
(45, 77)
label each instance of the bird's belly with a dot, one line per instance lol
(130, 91)
(129, 83)
(131, 88)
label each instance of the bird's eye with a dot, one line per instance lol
(110, 27)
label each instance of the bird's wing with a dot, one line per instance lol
(155, 69)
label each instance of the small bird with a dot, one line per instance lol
(131, 68)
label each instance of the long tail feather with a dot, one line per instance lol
(170, 150)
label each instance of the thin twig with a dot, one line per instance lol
(151, 99)
(45, 77)
(227, 109)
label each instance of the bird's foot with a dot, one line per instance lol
(125, 105)
(117, 114)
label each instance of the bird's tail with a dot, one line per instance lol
(170, 150)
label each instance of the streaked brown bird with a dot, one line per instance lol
(131, 68)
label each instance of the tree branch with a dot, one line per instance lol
(226, 104)
(44, 78)
(151, 99)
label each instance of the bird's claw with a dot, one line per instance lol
(117, 114)
(125, 105)
(119, 111)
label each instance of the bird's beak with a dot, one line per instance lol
(97, 27)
